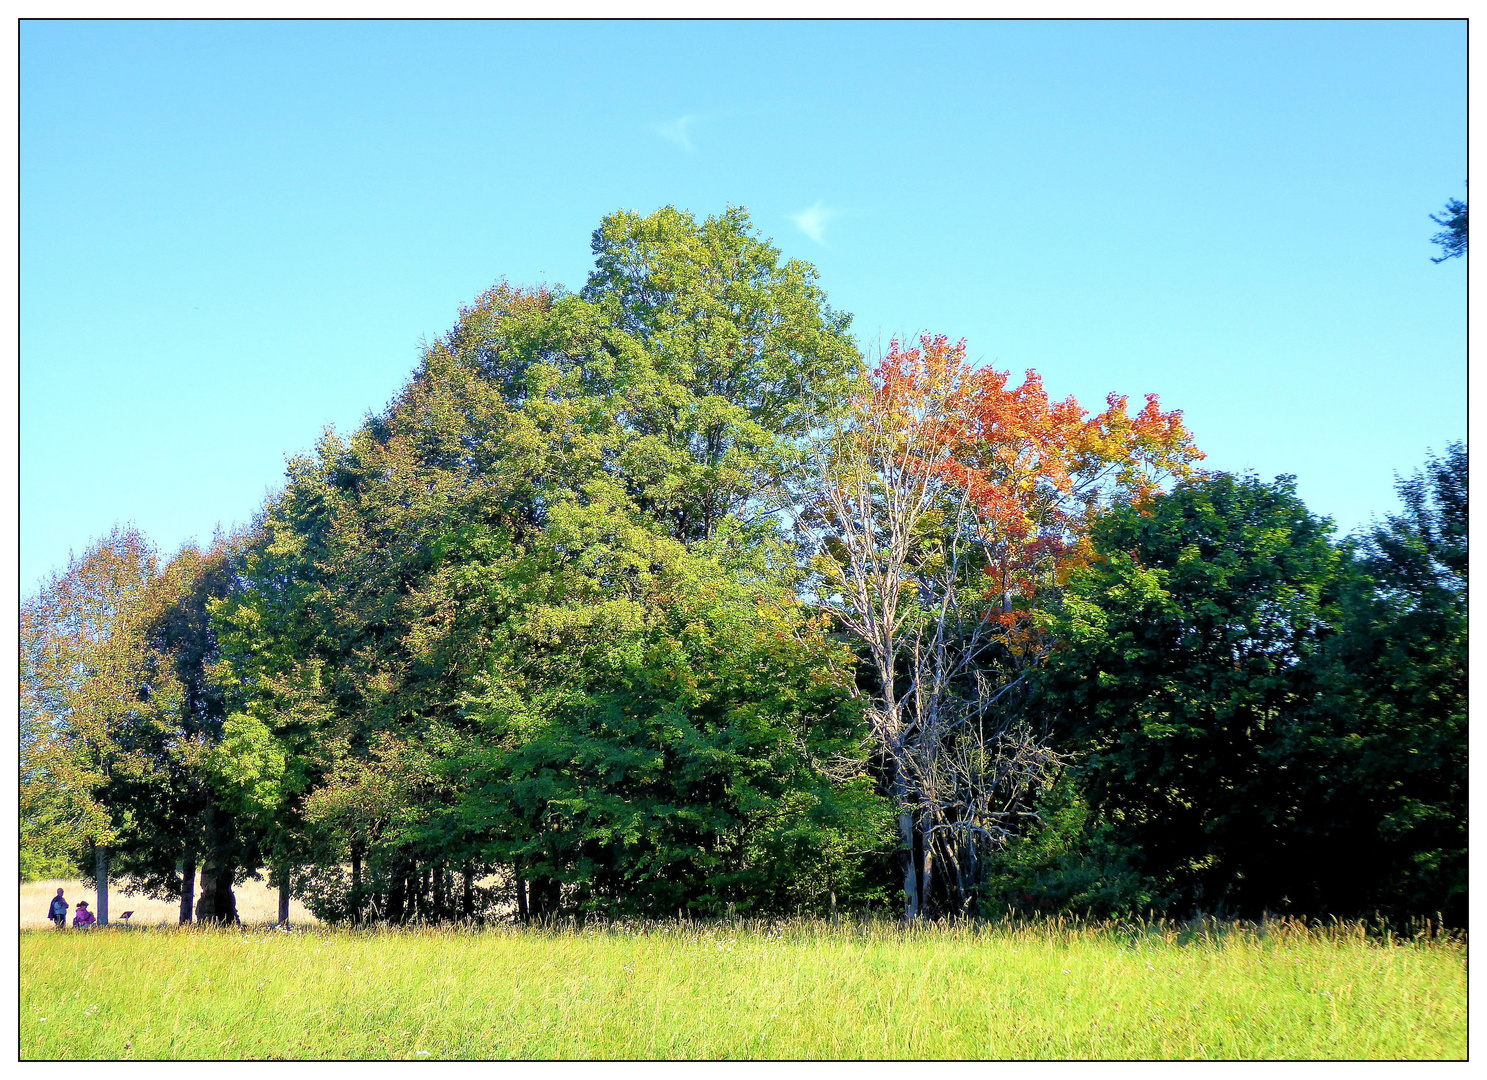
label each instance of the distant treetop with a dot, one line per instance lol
(1452, 238)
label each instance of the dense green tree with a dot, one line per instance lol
(650, 727)
(1263, 720)
(95, 701)
(561, 470)
(188, 830)
(119, 715)
(1188, 650)
(731, 357)
(1389, 736)
(1067, 860)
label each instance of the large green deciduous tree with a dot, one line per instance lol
(1188, 649)
(118, 716)
(653, 729)
(568, 513)
(731, 356)
(188, 829)
(1389, 791)
(1263, 720)
(91, 691)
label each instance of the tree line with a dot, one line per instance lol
(656, 597)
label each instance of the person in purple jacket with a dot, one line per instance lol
(58, 911)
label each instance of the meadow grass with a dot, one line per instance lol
(740, 990)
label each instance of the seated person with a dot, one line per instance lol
(83, 917)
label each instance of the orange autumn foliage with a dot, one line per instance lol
(1031, 470)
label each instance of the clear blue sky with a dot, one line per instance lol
(234, 234)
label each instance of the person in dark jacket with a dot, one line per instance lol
(58, 911)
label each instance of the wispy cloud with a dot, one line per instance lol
(676, 131)
(812, 220)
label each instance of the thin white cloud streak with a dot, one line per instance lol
(675, 131)
(812, 220)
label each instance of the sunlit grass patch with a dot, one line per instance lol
(746, 990)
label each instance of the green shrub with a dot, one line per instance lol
(1069, 862)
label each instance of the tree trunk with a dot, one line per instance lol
(906, 843)
(439, 891)
(468, 900)
(522, 910)
(216, 903)
(188, 885)
(227, 901)
(356, 884)
(543, 896)
(969, 879)
(927, 886)
(206, 898)
(285, 874)
(100, 871)
(397, 895)
(957, 885)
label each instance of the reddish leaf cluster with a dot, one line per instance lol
(1032, 470)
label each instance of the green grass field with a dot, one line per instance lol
(803, 990)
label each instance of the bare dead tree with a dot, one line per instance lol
(901, 555)
(943, 502)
